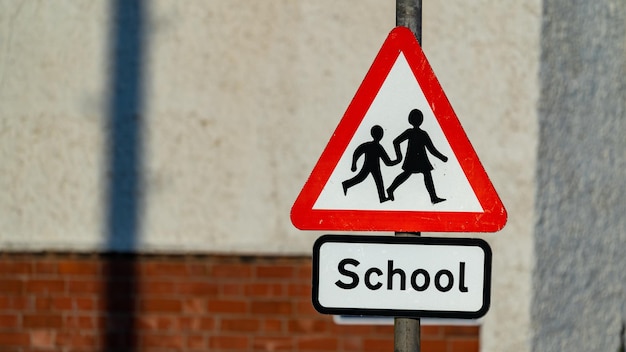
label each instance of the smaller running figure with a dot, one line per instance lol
(373, 153)
(415, 158)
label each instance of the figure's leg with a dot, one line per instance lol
(430, 187)
(355, 180)
(378, 179)
(397, 182)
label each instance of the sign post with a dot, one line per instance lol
(406, 331)
(400, 127)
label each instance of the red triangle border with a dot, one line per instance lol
(492, 219)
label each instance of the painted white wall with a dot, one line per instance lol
(240, 99)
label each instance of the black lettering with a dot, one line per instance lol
(462, 286)
(424, 286)
(343, 271)
(438, 276)
(368, 274)
(391, 272)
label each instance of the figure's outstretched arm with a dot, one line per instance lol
(396, 146)
(431, 148)
(385, 157)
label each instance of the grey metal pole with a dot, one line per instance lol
(409, 14)
(407, 330)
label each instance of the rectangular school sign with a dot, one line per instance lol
(401, 276)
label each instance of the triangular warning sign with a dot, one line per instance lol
(399, 159)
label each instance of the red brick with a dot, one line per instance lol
(273, 344)
(163, 341)
(304, 272)
(45, 286)
(9, 320)
(227, 306)
(193, 305)
(374, 345)
(461, 330)
(167, 323)
(84, 304)
(11, 286)
(192, 323)
(48, 303)
(42, 339)
(147, 322)
(274, 271)
(46, 267)
(264, 290)
(196, 342)
(305, 308)
(229, 342)
(383, 329)
(431, 331)
(42, 321)
(230, 290)
(433, 345)
(156, 288)
(318, 343)
(8, 339)
(301, 290)
(231, 271)
(77, 341)
(271, 307)
(239, 325)
(85, 286)
(198, 270)
(160, 305)
(62, 303)
(43, 303)
(463, 345)
(198, 288)
(79, 267)
(207, 324)
(304, 325)
(13, 302)
(272, 325)
(163, 269)
(13, 268)
(82, 322)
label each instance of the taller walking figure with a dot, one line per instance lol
(415, 158)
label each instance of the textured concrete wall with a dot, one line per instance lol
(230, 102)
(179, 126)
(579, 281)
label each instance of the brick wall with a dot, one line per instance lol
(71, 302)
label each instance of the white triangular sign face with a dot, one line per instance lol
(399, 94)
(399, 159)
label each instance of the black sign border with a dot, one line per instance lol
(471, 242)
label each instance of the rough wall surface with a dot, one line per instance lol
(579, 290)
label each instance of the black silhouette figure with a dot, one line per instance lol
(416, 159)
(373, 153)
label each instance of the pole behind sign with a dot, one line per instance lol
(407, 330)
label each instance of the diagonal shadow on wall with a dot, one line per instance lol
(124, 171)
